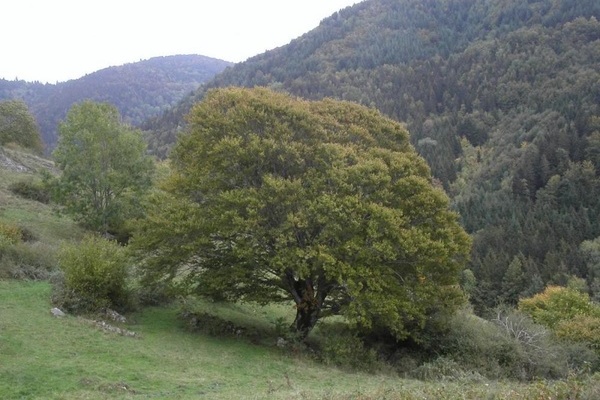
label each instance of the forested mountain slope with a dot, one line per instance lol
(502, 97)
(139, 90)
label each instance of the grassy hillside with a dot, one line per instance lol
(46, 226)
(44, 357)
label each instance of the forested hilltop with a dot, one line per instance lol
(502, 99)
(139, 90)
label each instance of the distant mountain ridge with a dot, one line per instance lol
(139, 90)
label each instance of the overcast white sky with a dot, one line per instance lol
(58, 40)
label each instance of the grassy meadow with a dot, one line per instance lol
(44, 357)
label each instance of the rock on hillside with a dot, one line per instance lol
(18, 161)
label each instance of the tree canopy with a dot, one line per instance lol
(18, 126)
(325, 204)
(104, 166)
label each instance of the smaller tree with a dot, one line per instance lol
(590, 250)
(104, 166)
(17, 125)
(513, 281)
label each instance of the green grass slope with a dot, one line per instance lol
(67, 358)
(44, 228)
(43, 357)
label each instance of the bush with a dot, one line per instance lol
(158, 294)
(510, 346)
(541, 354)
(9, 234)
(557, 304)
(95, 275)
(343, 347)
(581, 328)
(444, 368)
(34, 261)
(478, 345)
(31, 190)
(569, 313)
(214, 325)
(22, 260)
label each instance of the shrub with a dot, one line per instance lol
(35, 261)
(569, 313)
(31, 190)
(214, 325)
(591, 388)
(478, 345)
(444, 368)
(95, 274)
(541, 354)
(510, 346)
(157, 294)
(581, 328)
(9, 234)
(5, 243)
(343, 347)
(199, 321)
(557, 304)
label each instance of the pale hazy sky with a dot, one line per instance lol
(58, 40)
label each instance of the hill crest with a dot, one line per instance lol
(139, 90)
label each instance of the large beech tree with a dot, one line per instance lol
(325, 204)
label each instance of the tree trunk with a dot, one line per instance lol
(307, 316)
(308, 304)
(309, 295)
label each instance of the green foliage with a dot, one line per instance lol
(568, 312)
(445, 369)
(513, 282)
(581, 328)
(10, 234)
(28, 261)
(32, 190)
(343, 347)
(104, 166)
(22, 256)
(95, 275)
(510, 345)
(18, 126)
(468, 282)
(558, 304)
(322, 203)
(479, 345)
(215, 325)
(590, 250)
